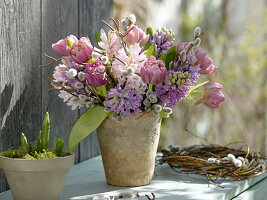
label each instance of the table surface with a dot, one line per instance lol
(87, 179)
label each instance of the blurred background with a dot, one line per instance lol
(236, 38)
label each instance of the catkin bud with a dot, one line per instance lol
(197, 42)
(157, 108)
(167, 110)
(81, 76)
(132, 18)
(71, 73)
(101, 68)
(130, 70)
(79, 85)
(183, 55)
(197, 31)
(124, 24)
(95, 55)
(211, 160)
(237, 163)
(104, 59)
(231, 157)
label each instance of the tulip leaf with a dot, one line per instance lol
(85, 125)
(70, 43)
(195, 87)
(58, 146)
(102, 91)
(169, 56)
(98, 34)
(149, 31)
(24, 143)
(151, 51)
(45, 131)
(163, 114)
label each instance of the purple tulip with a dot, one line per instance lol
(81, 50)
(136, 35)
(212, 95)
(205, 62)
(153, 71)
(94, 76)
(62, 48)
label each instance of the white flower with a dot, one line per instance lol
(110, 43)
(134, 59)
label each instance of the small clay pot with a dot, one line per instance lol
(32, 179)
(128, 148)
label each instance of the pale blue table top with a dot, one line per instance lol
(87, 180)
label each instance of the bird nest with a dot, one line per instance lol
(215, 161)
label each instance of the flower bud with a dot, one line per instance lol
(95, 55)
(130, 70)
(197, 31)
(132, 18)
(124, 24)
(167, 110)
(81, 50)
(79, 85)
(71, 73)
(205, 62)
(136, 35)
(104, 59)
(81, 76)
(197, 42)
(101, 68)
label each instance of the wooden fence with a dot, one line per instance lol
(27, 30)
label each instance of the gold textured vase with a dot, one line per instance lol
(128, 148)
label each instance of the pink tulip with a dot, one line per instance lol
(153, 71)
(136, 35)
(212, 95)
(93, 76)
(62, 48)
(81, 50)
(205, 62)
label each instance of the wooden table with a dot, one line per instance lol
(87, 180)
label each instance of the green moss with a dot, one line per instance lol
(21, 154)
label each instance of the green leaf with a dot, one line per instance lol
(24, 143)
(162, 114)
(151, 51)
(102, 91)
(39, 142)
(195, 87)
(85, 125)
(169, 56)
(70, 43)
(45, 131)
(149, 31)
(98, 34)
(59, 146)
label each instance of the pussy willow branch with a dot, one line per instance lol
(53, 61)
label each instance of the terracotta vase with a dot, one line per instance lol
(41, 179)
(128, 148)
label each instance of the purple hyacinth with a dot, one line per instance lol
(163, 42)
(123, 102)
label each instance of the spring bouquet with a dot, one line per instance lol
(131, 71)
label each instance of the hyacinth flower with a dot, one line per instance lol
(136, 35)
(205, 62)
(212, 95)
(153, 71)
(164, 39)
(95, 74)
(81, 50)
(62, 47)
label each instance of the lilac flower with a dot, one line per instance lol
(163, 42)
(123, 102)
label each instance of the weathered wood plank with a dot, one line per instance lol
(20, 85)
(59, 19)
(89, 23)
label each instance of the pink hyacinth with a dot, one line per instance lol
(205, 62)
(136, 35)
(93, 76)
(81, 50)
(153, 71)
(212, 95)
(62, 48)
